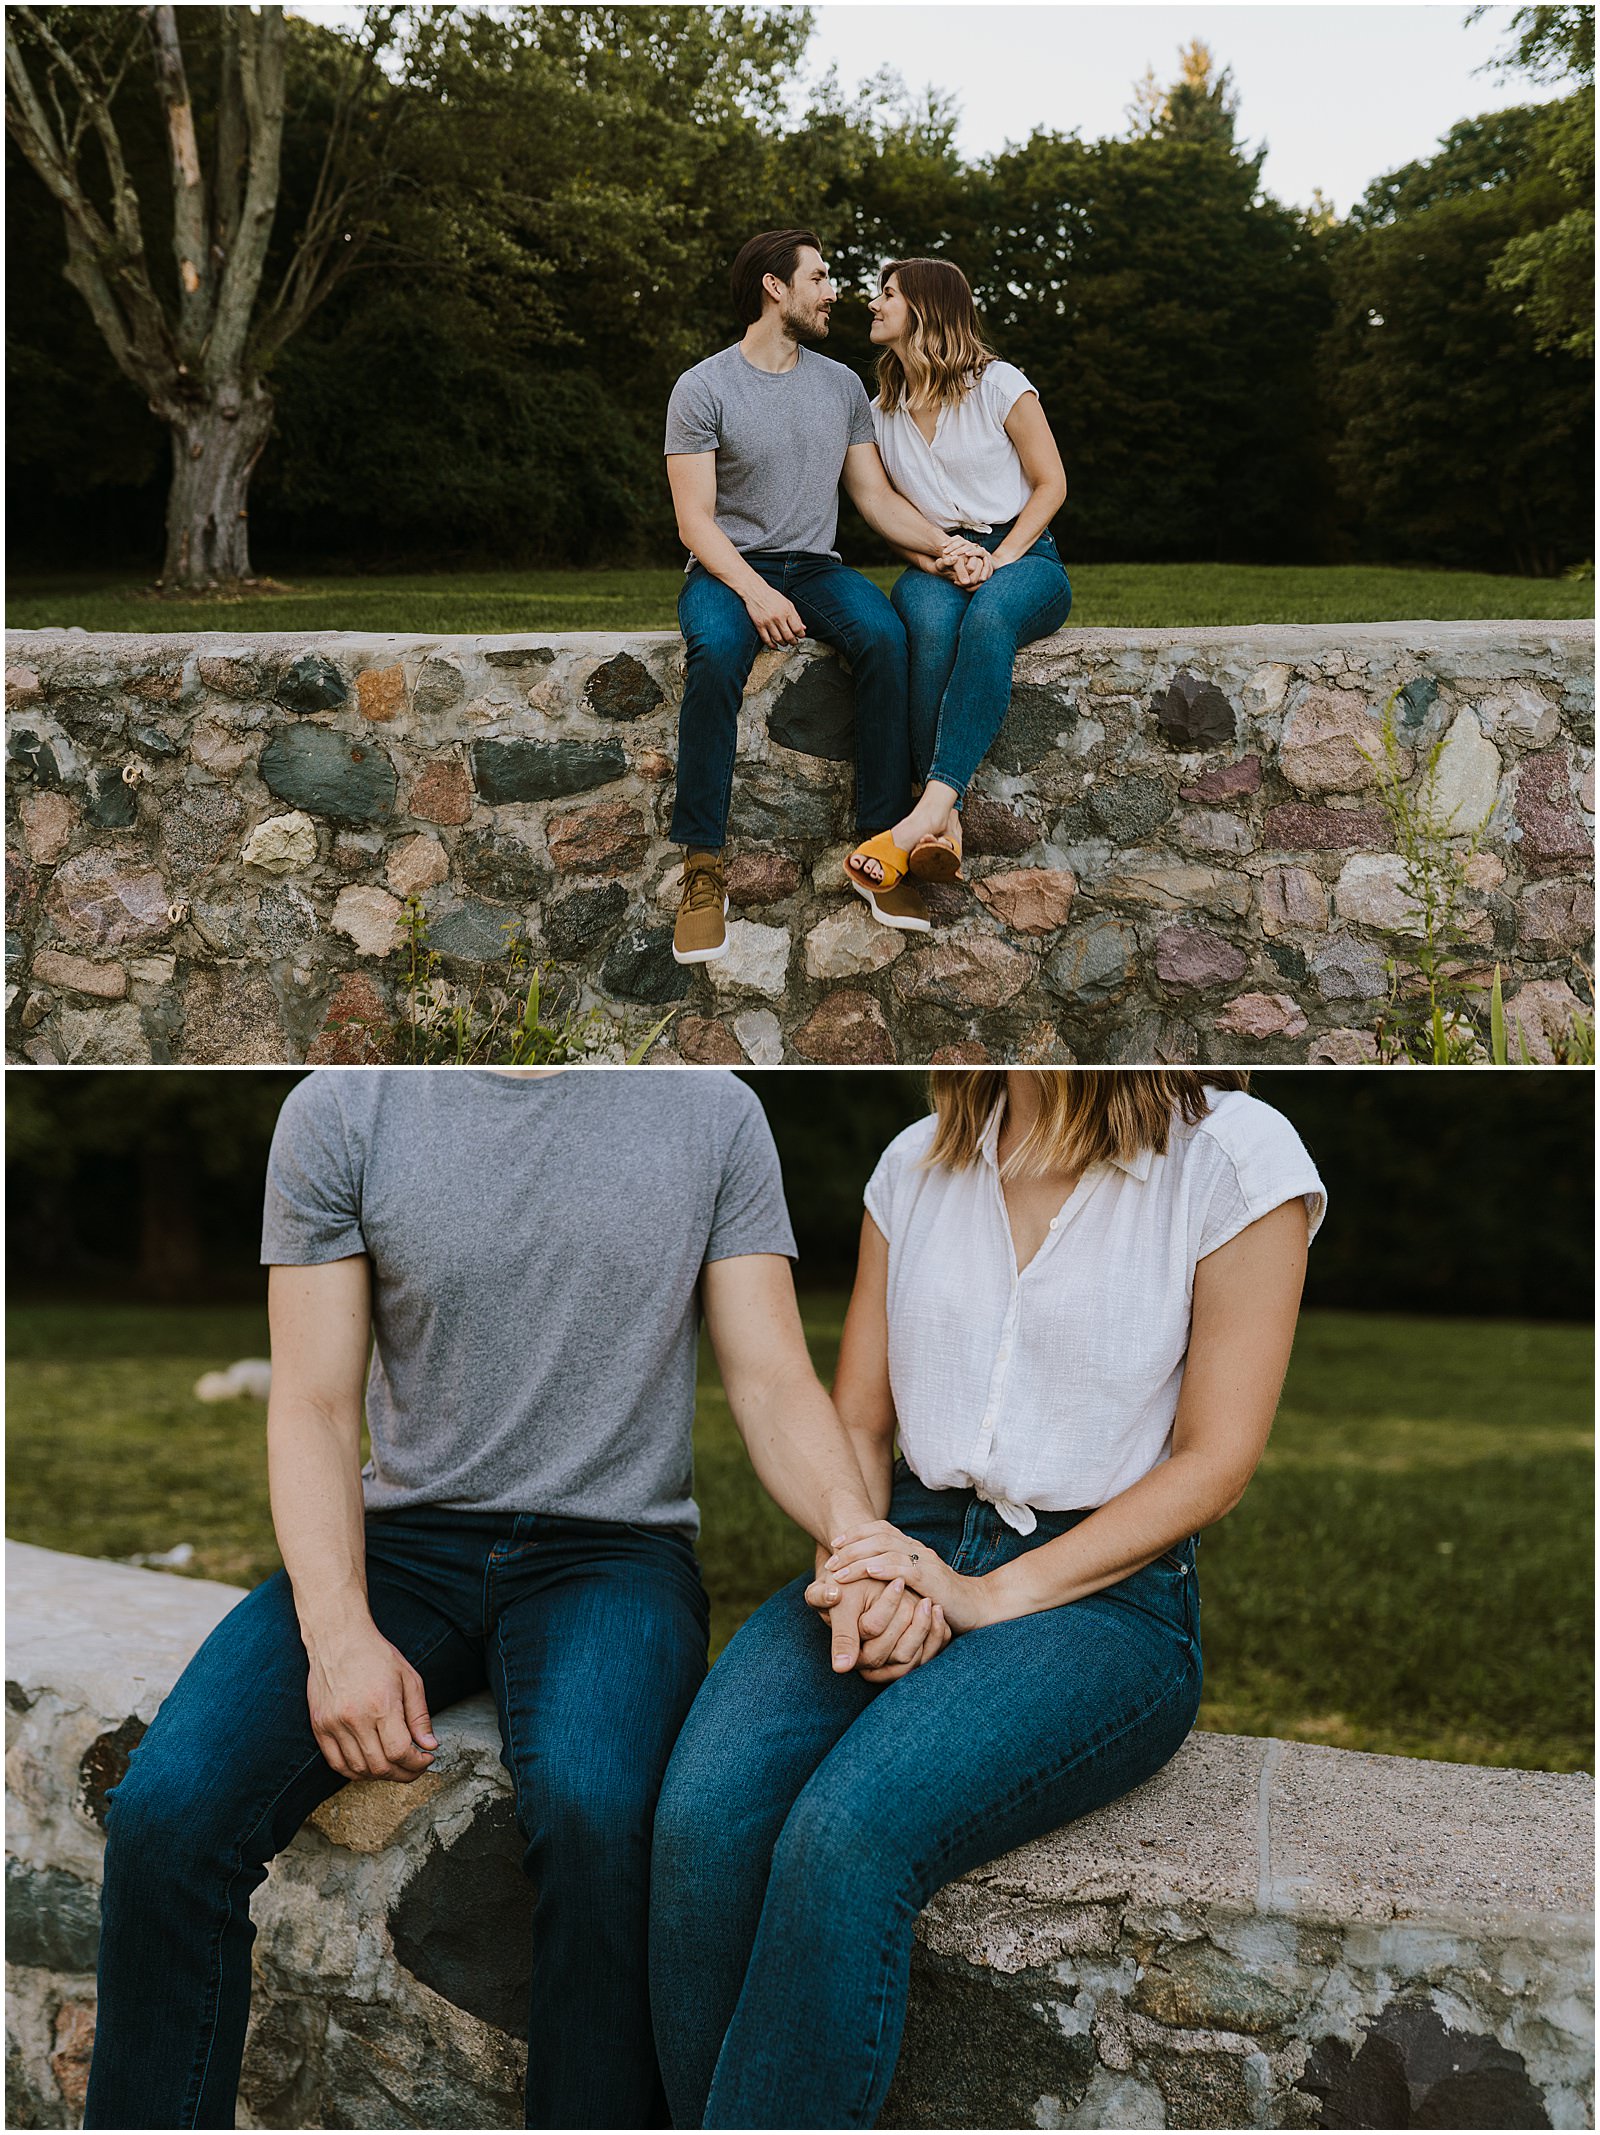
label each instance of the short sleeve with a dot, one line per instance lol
(751, 1215)
(861, 430)
(693, 424)
(1003, 386)
(313, 1199)
(1262, 1163)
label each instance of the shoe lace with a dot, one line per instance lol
(702, 886)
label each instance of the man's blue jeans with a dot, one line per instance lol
(592, 1636)
(840, 608)
(963, 647)
(806, 1818)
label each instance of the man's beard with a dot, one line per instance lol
(806, 326)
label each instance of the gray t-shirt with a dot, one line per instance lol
(780, 438)
(536, 1243)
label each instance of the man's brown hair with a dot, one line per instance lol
(773, 252)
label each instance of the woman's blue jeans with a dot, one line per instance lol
(806, 1818)
(963, 647)
(592, 1636)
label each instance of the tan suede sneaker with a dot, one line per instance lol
(701, 935)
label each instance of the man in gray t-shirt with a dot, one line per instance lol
(759, 438)
(527, 1258)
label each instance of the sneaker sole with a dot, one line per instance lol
(703, 956)
(901, 924)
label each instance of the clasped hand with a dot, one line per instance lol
(896, 1594)
(963, 562)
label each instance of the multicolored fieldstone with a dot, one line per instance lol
(238, 824)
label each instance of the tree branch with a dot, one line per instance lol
(189, 215)
(262, 41)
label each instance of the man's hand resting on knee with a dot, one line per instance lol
(369, 1711)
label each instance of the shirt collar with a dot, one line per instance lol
(1136, 1166)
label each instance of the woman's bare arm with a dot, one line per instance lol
(369, 1710)
(1246, 1300)
(1028, 428)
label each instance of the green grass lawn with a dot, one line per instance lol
(1107, 596)
(1411, 1570)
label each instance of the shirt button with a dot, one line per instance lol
(1054, 1220)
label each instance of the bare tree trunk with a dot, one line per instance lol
(215, 447)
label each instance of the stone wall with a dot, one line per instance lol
(1267, 1935)
(1176, 850)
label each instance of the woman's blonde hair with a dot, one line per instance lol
(1086, 1115)
(946, 352)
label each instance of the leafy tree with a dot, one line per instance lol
(1201, 105)
(1549, 272)
(1460, 442)
(1169, 316)
(198, 338)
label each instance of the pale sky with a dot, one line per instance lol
(1340, 90)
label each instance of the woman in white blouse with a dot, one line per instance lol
(1075, 1303)
(964, 438)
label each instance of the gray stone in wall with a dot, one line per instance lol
(1415, 701)
(580, 922)
(641, 967)
(1039, 718)
(28, 749)
(109, 802)
(199, 830)
(815, 712)
(156, 741)
(311, 684)
(1193, 714)
(769, 809)
(542, 770)
(623, 688)
(500, 867)
(52, 1919)
(1412, 2070)
(1129, 809)
(1092, 962)
(463, 1924)
(329, 773)
(475, 932)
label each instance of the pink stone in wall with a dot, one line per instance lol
(105, 898)
(441, 792)
(1332, 743)
(1553, 832)
(1262, 1015)
(968, 1053)
(848, 1028)
(1299, 825)
(1193, 956)
(22, 687)
(354, 1026)
(1030, 900)
(755, 879)
(416, 864)
(1226, 783)
(47, 825)
(973, 971)
(705, 1042)
(1292, 897)
(599, 841)
(1343, 1048)
(1561, 913)
(80, 974)
(72, 2043)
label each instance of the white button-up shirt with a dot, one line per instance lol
(971, 474)
(1057, 1387)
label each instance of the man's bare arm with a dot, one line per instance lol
(369, 1710)
(692, 477)
(798, 1447)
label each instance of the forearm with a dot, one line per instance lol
(1044, 501)
(805, 1460)
(1184, 1494)
(711, 547)
(314, 1474)
(900, 523)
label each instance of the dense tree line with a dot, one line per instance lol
(541, 204)
(1465, 1195)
